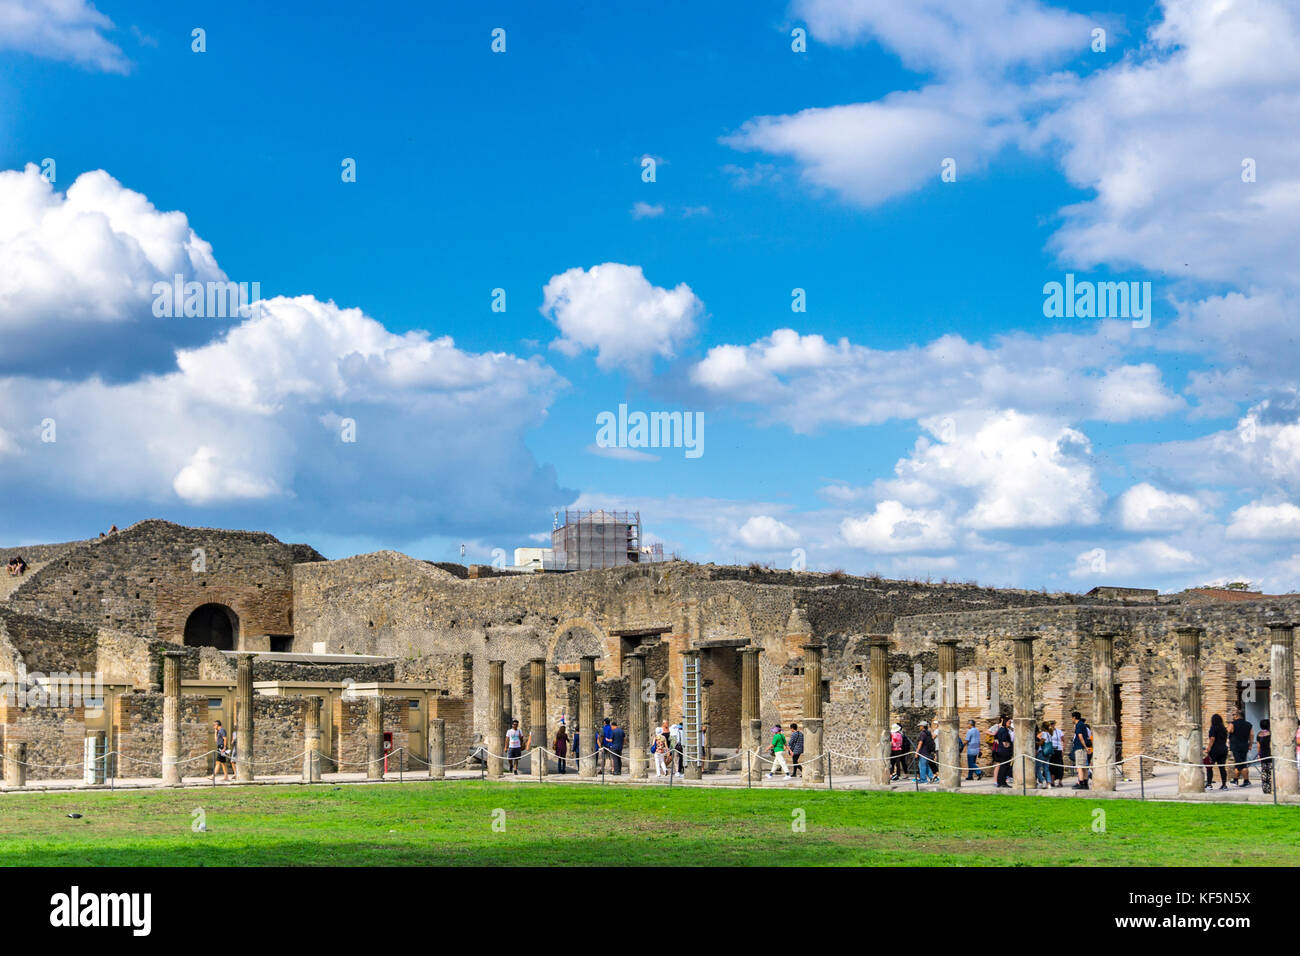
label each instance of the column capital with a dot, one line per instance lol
(1280, 625)
(751, 649)
(1188, 629)
(813, 646)
(947, 640)
(175, 654)
(638, 653)
(586, 658)
(1026, 637)
(1106, 634)
(879, 640)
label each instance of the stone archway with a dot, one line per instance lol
(212, 625)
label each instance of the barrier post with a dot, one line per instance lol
(1142, 778)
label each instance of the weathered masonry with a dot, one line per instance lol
(453, 653)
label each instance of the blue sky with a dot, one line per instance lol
(922, 417)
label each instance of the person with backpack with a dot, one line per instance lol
(778, 752)
(973, 752)
(606, 743)
(1002, 747)
(1043, 765)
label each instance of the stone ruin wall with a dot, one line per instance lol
(1235, 647)
(142, 580)
(394, 605)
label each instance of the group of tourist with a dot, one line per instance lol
(1236, 738)
(17, 566)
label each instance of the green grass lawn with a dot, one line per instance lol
(556, 825)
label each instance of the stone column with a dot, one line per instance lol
(15, 763)
(751, 721)
(587, 716)
(311, 742)
(694, 769)
(950, 749)
(537, 715)
(1191, 776)
(1103, 711)
(492, 739)
(638, 731)
(812, 711)
(437, 748)
(1022, 716)
(375, 738)
(1281, 706)
(244, 718)
(171, 739)
(878, 703)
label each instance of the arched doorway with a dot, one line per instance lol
(212, 625)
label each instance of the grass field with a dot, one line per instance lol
(557, 825)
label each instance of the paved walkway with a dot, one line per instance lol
(1163, 786)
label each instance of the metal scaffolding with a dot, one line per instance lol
(589, 540)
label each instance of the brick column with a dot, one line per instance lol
(171, 733)
(15, 764)
(694, 769)
(1191, 747)
(244, 718)
(949, 729)
(812, 711)
(437, 748)
(1023, 713)
(537, 715)
(587, 716)
(751, 722)
(638, 732)
(375, 738)
(492, 740)
(1281, 705)
(311, 742)
(1103, 711)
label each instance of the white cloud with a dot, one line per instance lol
(1019, 471)
(645, 210)
(613, 309)
(1261, 522)
(77, 268)
(1146, 508)
(806, 382)
(893, 528)
(762, 532)
(949, 36)
(1136, 562)
(71, 30)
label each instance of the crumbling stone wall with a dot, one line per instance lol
(143, 580)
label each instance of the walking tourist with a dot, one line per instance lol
(561, 746)
(606, 743)
(895, 752)
(778, 752)
(616, 737)
(1043, 763)
(223, 755)
(795, 740)
(1216, 753)
(659, 747)
(1265, 740)
(1002, 741)
(1240, 735)
(1080, 744)
(925, 755)
(972, 752)
(1058, 754)
(514, 746)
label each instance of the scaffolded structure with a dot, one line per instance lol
(589, 540)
